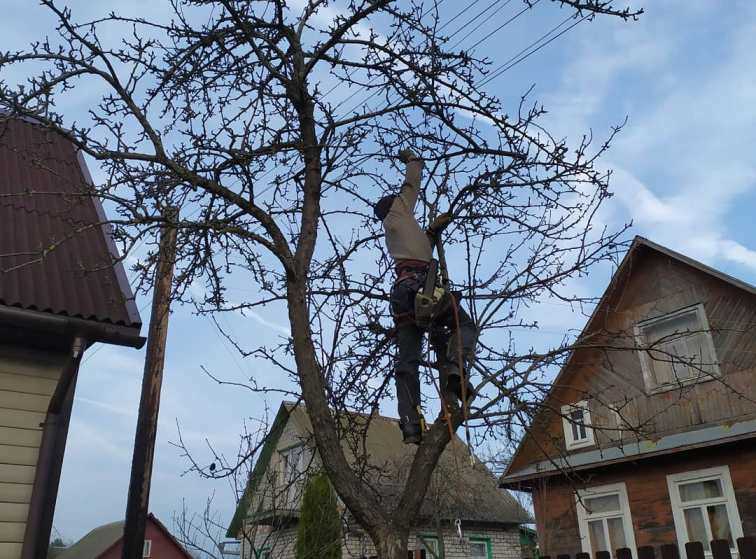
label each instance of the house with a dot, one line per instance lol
(648, 434)
(266, 518)
(106, 542)
(62, 289)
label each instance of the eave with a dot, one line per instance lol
(632, 451)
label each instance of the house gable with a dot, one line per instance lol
(256, 478)
(604, 370)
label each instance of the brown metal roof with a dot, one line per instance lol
(56, 254)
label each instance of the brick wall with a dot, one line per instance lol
(648, 496)
(505, 543)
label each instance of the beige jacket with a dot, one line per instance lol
(405, 239)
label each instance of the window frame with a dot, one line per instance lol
(295, 486)
(421, 540)
(647, 362)
(721, 473)
(147, 548)
(567, 424)
(601, 491)
(484, 540)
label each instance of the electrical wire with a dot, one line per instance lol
(512, 63)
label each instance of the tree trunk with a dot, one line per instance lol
(391, 544)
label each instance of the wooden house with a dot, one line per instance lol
(648, 435)
(62, 289)
(106, 542)
(267, 516)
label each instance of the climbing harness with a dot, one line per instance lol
(428, 301)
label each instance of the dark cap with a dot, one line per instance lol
(383, 206)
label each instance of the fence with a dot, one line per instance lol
(720, 549)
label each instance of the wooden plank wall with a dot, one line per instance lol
(27, 381)
(655, 285)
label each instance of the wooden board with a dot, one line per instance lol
(24, 401)
(10, 550)
(21, 419)
(20, 437)
(31, 362)
(12, 532)
(10, 473)
(27, 383)
(22, 455)
(14, 512)
(15, 492)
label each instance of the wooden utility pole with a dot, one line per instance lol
(149, 404)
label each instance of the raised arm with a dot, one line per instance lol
(413, 174)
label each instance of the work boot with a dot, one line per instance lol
(411, 433)
(454, 386)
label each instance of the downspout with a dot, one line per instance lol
(50, 462)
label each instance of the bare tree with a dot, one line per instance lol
(235, 119)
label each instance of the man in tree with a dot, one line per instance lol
(453, 333)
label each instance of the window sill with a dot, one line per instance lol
(682, 384)
(579, 446)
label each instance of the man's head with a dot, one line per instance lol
(383, 206)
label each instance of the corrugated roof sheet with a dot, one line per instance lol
(56, 254)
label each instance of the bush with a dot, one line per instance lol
(319, 532)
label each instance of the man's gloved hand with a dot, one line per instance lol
(439, 224)
(407, 155)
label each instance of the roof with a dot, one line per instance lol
(56, 252)
(632, 451)
(637, 248)
(102, 538)
(473, 497)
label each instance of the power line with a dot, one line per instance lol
(498, 29)
(514, 61)
(503, 25)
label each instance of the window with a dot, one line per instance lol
(294, 463)
(676, 348)
(604, 519)
(480, 548)
(147, 549)
(429, 547)
(704, 507)
(263, 553)
(576, 419)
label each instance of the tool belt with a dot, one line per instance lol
(417, 295)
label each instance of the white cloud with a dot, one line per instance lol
(684, 161)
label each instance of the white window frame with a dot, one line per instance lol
(583, 518)
(570, 442)
(295, 485)
(723, 474)
(147, 549)
(647, 362)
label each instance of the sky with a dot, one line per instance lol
(684, 174)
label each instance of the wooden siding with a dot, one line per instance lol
(648, 496)
(27, 380)
(655, 284)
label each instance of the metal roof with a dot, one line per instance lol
(633, 451)
(56, 252)
(104, 538)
